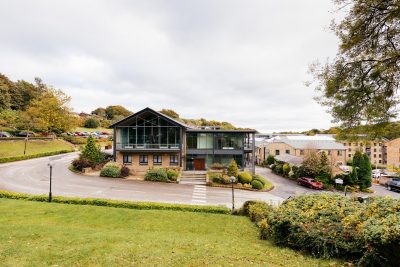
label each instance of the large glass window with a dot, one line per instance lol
(229, 140)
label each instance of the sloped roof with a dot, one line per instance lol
(168, 118)
(309, 142)
(292, 160)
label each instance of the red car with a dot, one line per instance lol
(310, 182)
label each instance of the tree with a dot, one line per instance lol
(311, 163)
(92, 151)
(113, 111)
(270, 159)
(365, 176)
(233, 169)
(99, 112)
(169, 112)
(50, 112)
(360, 85)
(91, 123)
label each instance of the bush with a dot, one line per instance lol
(259, 178)
(125, 171)
(217, 166)
(156, 175)
(75, 140)
(247, 186)
(233, 168)
(172, 174)
(111, 169)
(92, 151)
(244, 177)
(270, 160)
(91, 123)
(81, 163)
(259, 211)
(277, 168)
(226, 179)
(116, 203)
(329, 225)
(39, 155)
(257, 184)
(215, 177)
(285, 169)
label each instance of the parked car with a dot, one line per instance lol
(25, 134)
(393, 185)
(310, 182)
(5, 134)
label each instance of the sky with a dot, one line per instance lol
(245, 62)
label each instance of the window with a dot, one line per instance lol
(380, 161)
(301, 152)
(349, 155)
(127, 159)
(157, 159)
(374, 149)
(173, 160)
(329, 152)
(344, 144)
(374, 155)
(143, 159)
(374, 144)
(277, 152)
(287, 151)
(349, 149)
(340, 153)
(380, 155)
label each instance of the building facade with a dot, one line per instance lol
(298, 146)
(150, 139)
(392, 153)
(374, 149)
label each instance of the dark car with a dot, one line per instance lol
(25, 134)
(310, 182)
(393, 185)
(5, 134)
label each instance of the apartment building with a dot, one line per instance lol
(376, 150)
(392, 153)
(298, 145)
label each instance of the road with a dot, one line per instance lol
(32, 176)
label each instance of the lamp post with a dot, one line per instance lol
(232, 180)
(51, 172)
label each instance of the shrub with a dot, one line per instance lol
(81, 163)
(24, 157)
(244, 177)
(226, 179)
(233, 168)
(75, 140)
(124, 171)
(116, 203)
(277, 168)
(285, 169)
(91, 123)
(92, 151)
(172, 174)
(270, 160)
(215, 177)
(217, 166)
(247, 186)
(259, 178)
(111, 169)
(156, 175)
(259, 210)
(257, 184)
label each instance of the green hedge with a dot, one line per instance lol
(116, 203)
(39, 155)
(329, 225)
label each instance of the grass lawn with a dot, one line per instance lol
(16, 148)
(91, 130)
(44, 234)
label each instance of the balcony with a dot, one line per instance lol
(147, 147)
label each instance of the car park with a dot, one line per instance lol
(25, 134)
(393, 185)
(310, 182)
(4, 135)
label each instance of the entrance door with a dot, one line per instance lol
(199, 164)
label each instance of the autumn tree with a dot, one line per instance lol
(50, 112)
(117, 111)
(311, 162)
(169, 112)
(360, 85)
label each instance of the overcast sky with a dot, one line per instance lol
(240, 61)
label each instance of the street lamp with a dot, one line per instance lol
(232, 180)
(51, 172)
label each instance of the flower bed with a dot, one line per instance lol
(244, 181)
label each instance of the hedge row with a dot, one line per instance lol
(332, 226)
(23, 138)
(116, 203)
(39, 155)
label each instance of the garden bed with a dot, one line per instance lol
(236, 186)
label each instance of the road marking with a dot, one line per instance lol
(199, 195)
